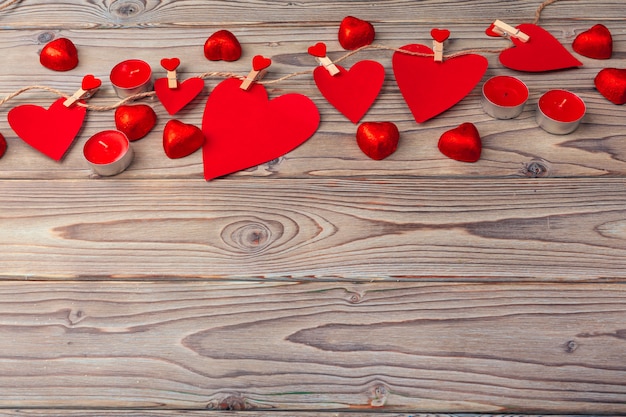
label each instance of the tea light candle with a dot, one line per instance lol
(560, 112)
(504, 97)
(108, 152)
(131, 77)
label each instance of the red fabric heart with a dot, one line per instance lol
(461, 143)
(542, 52)
(59, 55)
(377, 140)
(51, 131)
(174, 99)
(181, 139)
(318, 50)
(90, 82)
(611, 83)
(259, 62)
(222, 45)
(355, 33)
(440, 35)
(430, 88)
(245, 128)
(170, 64)
(135, 121)
(353, 91)
(596, 43)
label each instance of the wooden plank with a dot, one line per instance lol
(541, 229)
(403, 347)
(248, 413)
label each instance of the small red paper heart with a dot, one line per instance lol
(611, 83)
(59, 55)
(135, 121)
(596, 43)
(181, 139)
(440, 35)
(355, 33)
(51, 131)
(461, 143)
(222, 45)
(3, 145)
(490, 31)
(377, 140)
(259, 62)
(170, 64)
(174, 99)
(90, 82)
(318, 50)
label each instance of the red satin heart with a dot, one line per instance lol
(259, 62)
(440, 35)
(611, 83)
(181, 139)
(355, 33)
(51, 131)
(222, 45)
(542, 52)
(245, 129)
(175, 99)
(596, 43)
(377, 140)
(3, 146)
(461, 143)
(170, 64)
(318, 50)
(135, 121)
(430, 88)
(353, 91)
(90, 82)
(59, 55)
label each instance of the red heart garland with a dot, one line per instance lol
(90, 82)
(353, 91)
(596, 43)
(170, 64)
(174, 99)
(245, 128)
(611, 83)
(181, 139)
(318, 50)
(461, 143)
(542, 52)
(51, 131)
(430, 88)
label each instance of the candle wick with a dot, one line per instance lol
(563, 102)
(103, 144)
(132, 72)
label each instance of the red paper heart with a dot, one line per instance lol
(355, 33)
(318, 50)
(181, 139)
(440, 35)
(51, 131)
(377, 140)
(170, 64)
(353, 91)
(59, 55)
(259, 62)
(596, 43)
(611, 83)
(491, 32)
(135, 121)
(174, 99)
(222, 45)
(3, 145)
(461, 143)
(542, 52)
(245, 128)
(430, 88)
(90, 82)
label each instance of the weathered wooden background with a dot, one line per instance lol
(322, 282)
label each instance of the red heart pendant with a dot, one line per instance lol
(3, 146)
(181, 139)
(90, 82)
(59, 55)
(170, 64)
(259, 62)
(355, 33)
(51, 131)
(461, 143)
(135, 121)
(351, 92)
(440, 35)
(596, 43)
(430, 88)
(377, 140)
(542, 52)
(222, 46)
(174, 99)
(318, 50)
(611, 83)
(245, 128)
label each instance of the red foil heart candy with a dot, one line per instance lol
(355, 33)
(135, 121)
(377, 140)
(59, 55)
(3, 145)
(596, 43)
(461, 143)
(222, 45)
(181, 139)
(611, 83)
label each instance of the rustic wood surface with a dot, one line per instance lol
(320, 283)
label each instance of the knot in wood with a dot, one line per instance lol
(379, 395)
(230, 403)
(126, 9)
(536, 169)
(571, 346)
(251, 236)
(354, 298)
(45, 37)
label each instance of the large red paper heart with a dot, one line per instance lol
(181, 139)
(542, 52)
(355, 33)
(353, 91)
(135, 121)
(596, 43)
(59, 55)
(461, 143)
(377, 140)
(245, 128)
(430, 88)
(222, 45)
(174, 99)
(51, 131)
(611, 83)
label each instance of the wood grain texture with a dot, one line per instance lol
(501, 348)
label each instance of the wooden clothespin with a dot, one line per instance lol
(504, 29)
(319, 52)
(259, 69)
(439, 37)
(170, 64)
(88, 88)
